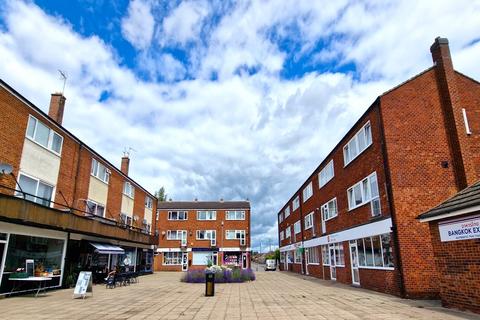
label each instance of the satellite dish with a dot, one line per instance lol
(5, 168)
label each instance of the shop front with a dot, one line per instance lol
(30, 257)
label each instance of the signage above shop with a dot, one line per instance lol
(460, 229)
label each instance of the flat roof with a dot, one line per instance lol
(203, 205)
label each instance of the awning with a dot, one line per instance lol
(104, 248)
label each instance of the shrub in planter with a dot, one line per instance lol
(222, 275)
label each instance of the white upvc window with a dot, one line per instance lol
(309, 221)
(172, 258)
(296, 203)
(234, 234)
(38, 191)
(297, 227)
(358, 144)
(312, 256)
(100, 171)
(95, 208)
(287, 211)
(235, 215)
(326, 174)
(206, 234)
(126, 219)
(206, 215)
(375, 252)
(288, 232)
(329, 209)
(177, 215)
(148, 202)
(280, 217)
(307, 192)
(176, 234)
(282, 235)
(297, 256)
(363, 192)
(38, 132)
(325, 255)
(128, 189)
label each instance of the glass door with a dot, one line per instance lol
(244, 261)
(184, 261)
(307, 261)
(333, 268)
(354, 262)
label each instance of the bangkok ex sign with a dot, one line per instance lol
(461, 229)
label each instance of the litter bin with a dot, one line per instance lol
(209, 284)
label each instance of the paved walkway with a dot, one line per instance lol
(274, 295)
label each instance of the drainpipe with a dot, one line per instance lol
(301, 231)
(75, 184)
(391, 206)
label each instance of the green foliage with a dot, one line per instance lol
(161, 195)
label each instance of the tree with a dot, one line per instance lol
(161, 195)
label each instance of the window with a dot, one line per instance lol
(307, 192)
(176, 234)
(280, 217)
(206, 234)
(177, 215)
(206, 215)
(329, 209)
(234, 234)
(95, 208)
(288, 232)
(312, 255)
(297, 227)
(339, 254)
(100, 171)
(282, 236)
(296, 203)
(287, 211)
(363, 192)
(37, 190)
(172, 258)
(234, 215)
(43, 135)
(148, 202)
(325, 255)
(326, 174)
(128, 189)
(297, 256)
(203, 258)
(309, 221)
(357, 144)
(375, 252)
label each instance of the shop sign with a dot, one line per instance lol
(464, 229)
(84, 284)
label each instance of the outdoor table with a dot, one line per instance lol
(41, 281)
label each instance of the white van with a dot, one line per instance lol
(270, 264)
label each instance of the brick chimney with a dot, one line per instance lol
(57, 105)
(452, 112)
(125, 164)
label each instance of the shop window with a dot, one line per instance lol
(297, 256)
(339, 254)
(375, 252)
(312, 255)
(325, 255)
(361, 252)
(387, 250)
(368, 252)
(46, 254)
(172, 258)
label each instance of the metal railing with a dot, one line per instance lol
(67, 209)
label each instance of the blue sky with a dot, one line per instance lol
(225, 99)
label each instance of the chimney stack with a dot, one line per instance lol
(441, 54)
(125, 165)
(57, 105)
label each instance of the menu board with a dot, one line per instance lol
(84, 284)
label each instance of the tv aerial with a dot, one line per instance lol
(63, 76)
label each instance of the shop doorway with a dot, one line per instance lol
(354, 262)
(333, 268)
(244, 261)
(307, 260)
(184, 261)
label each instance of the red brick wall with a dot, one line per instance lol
(458, 263)
(380, 280)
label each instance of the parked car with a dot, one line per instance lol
(270, 264)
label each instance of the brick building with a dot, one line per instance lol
(455, 232)
(62, 205)
(193, 234)
(354, 219)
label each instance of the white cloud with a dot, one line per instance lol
(244, 134)
(138, 25)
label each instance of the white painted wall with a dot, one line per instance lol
(127, 205)
(40, 162)
(98, 190)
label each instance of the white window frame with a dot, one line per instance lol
(282, 235)
(297, 226)
(148, 202)
(237, 234)
(128, 189)
(313, 252)
(364, 266)
(309, 221)
(51, 134)
(325, 209)
(210, 215)
(326, 174)
(280, 217)
(286, 212)
(354, 143)
(208, 234)
(296, 203)
(170, 215)
(179, 234)
(237, 215)
(175, 258)
(307, 192)
(95, 171)
(288, 232)
(365, 186)
(297, 257)
(325, 255)
(96, 205)
(36, 196)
